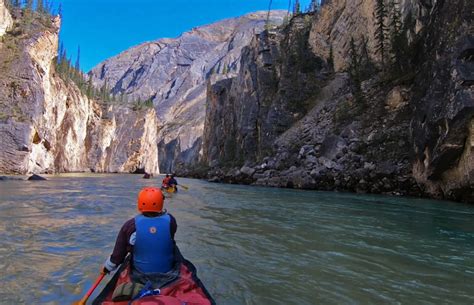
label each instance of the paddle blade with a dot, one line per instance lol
(184, 187)
(83, 301)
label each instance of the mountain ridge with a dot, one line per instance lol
(173, 74)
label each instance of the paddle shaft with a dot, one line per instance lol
(91, 290)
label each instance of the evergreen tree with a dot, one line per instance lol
(331, 58)
(63, 64)
(104, 92)
(267, 22)
(297, 8)
(69, 68)
(354, 59)
(78, 59)
(28, 13)
(40, 6)
(354, 70)
(367, 68)
(381, 29)
(90, 87)
(398, 41)
(60, 52)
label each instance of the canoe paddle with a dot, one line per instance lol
(184, 187)
(89, 293)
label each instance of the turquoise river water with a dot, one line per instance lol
(251, 245)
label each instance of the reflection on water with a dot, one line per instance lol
(250, 245)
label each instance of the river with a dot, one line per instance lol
(251, 245)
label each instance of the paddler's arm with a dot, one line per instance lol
(122, 246)
(173, 226)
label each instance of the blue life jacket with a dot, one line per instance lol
(154, 249)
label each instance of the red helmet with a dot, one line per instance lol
(150, 199)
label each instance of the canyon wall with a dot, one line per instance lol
(173, 74)
(48, 125)
(291, 119)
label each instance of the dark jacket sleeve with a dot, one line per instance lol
(173, 226)
(122, 245)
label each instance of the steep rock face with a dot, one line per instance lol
(6, 20)
(123, 141)
(277, 80)
(47, 124)
(442, 128)
(411, 135)
(341, 20)
(173, 73)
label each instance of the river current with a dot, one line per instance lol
(251, 245)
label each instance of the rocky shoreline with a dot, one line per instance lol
(408, 134)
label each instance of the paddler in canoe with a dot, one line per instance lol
(165, 184)
(151, 269)
(169, 184)
(173, 184)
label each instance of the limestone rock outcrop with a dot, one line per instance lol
(48, 125)
(173, 74)
(405, 135)
(341, 20)
(6, 20)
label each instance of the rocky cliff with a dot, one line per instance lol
(6, 20)
(291, 119)
(48, 125)
(172, 73)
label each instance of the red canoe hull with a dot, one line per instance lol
(187, 289)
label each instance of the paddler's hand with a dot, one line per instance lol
(104, 271)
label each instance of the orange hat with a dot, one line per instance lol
(150, 199)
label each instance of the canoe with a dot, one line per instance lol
(183, 288)
(169, 189)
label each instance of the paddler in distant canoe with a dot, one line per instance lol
(173, 184)
(166, 182)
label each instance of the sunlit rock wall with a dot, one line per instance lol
(341, 20)
(5, 18)
(173, 73)
(48, 125)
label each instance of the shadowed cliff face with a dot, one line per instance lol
(443, 125)
(410, 134)
(47, 125)
(173, 73)
(278, 81)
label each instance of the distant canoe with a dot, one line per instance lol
(169, 189)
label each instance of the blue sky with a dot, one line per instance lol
(104, 28)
